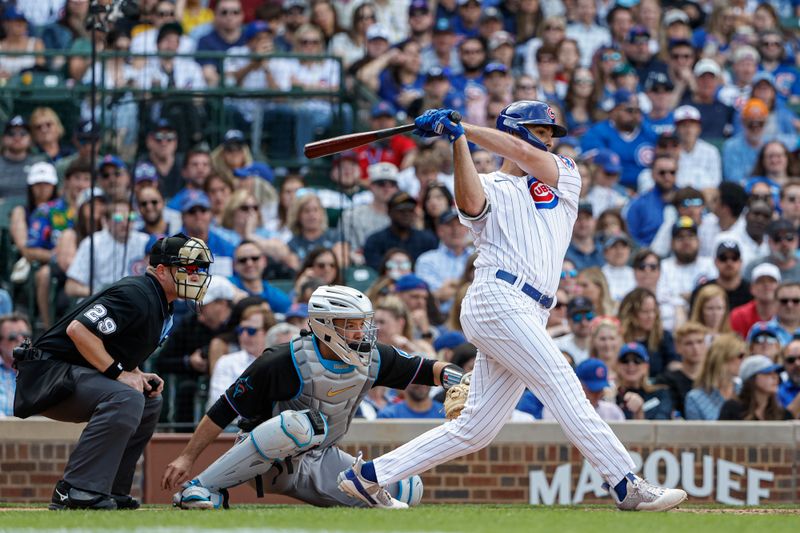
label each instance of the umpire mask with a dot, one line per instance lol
(191, 259)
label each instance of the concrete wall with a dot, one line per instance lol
(728, 462)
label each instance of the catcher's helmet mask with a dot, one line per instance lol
(516, 116)
(191, 259)
(335, 302)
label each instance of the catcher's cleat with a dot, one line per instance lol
(639, 495)
(195, 496)
(351, 482)
(65, 496)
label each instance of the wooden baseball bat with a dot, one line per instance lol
(354, 140)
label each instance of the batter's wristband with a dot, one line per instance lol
(113, 371)
(451, 376)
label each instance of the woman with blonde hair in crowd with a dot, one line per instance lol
(641, 322)
(394, 327)
(308, 221)
(593, 284)
(47, 132)
(606, 343)
(711, 309)
(717, 380)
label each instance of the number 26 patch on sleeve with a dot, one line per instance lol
(97, 314)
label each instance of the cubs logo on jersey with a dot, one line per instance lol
(543, 196)
(570, 164)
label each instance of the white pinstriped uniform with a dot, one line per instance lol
(527, 238)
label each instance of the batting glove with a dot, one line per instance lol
(425, 124)
(444, 125)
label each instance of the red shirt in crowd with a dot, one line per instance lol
(394, 151)
(744, 316)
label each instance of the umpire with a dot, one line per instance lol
(86, 369)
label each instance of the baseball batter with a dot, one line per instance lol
(521, 218)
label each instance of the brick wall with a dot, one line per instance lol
(33, 455)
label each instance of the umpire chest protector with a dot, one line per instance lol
(331, 387)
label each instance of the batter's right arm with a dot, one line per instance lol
(179, 470)
(470, 198)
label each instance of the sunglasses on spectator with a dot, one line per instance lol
(17, 133)
(246, 208)
(632, 110)
(765, 339)
(755, 125)
(633, 359)
(569, 274)
(681, 56)
(119, 217)
(786, 237)
(196, 210)
(226, 12)
(725, 258)
(247, 258)
(16, 335)
(580, 317)
(787, 301)
(307, 42)
(666, 172)
(112, 174)
(165, 137)
(250, 331)
(404, 265)
(166, 13)
(791, 359)
(612, 56)
(648, 266)
(692, 202)
(384, 183)
(762, 197)
(526, 87)
(324, 265)
(145, 203)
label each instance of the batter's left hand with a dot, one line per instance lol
(425, 124)
(146, 376)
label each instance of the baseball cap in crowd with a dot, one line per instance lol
(761, 328)
(219, 288)
(622, 96)
(638, 34)
(585, 207)
(349, 155)
(402, 199)
(87, 194)
(675, 15)
(755, 109)
(493, 67)
(707, 66)
(255, 28)
(499, 38)
(757, 364)
(608, 161)
(491, 13)
(10, 12)
(418, 6)
(409, 282)
(448, 216)
(163, 124)
(170, 28)
(728, 246)
(383, 109)
(593, 373)
(16, 122)
(658, 80)
(194, 199)
(261, 170)
(233, 137)
(145, 172)
(112, 160)
(746, 52)
(611, 240)
(436, 73)
(42, 172)
(296, 310)
(686, 112)
(578, 304)
(288, 5)
(674, 43)
(465, 2)
(86, 131)
(766, 270)
(684, 224)
(635, 348)
(378, 31)
(780, 227)
(763, 76)
(383, 171)
(449, 340)
(667, 139)
(443, 25)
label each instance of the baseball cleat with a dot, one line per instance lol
(125, 502)
(352, 483)
(65, 496)
(194, 496)
(643, 496)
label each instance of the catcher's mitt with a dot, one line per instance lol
(456, 397)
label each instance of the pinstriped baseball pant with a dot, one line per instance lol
(515, 352)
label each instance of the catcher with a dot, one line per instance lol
(297, 400)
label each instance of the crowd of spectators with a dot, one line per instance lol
(680, 291)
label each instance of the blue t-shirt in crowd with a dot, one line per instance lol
(278, 300)
(635, 150)
(401, 410)
(213, 42)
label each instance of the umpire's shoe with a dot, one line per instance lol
(351, 482)
(126, 502)
(635, 494)
(65, 496)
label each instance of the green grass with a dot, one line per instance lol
(430, 518)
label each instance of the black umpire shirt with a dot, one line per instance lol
(273, 377)
(129, 317)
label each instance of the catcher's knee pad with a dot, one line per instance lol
(407, 490)
(282, 436)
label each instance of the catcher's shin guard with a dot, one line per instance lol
(285, 435)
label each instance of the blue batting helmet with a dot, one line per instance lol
(515, 116)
